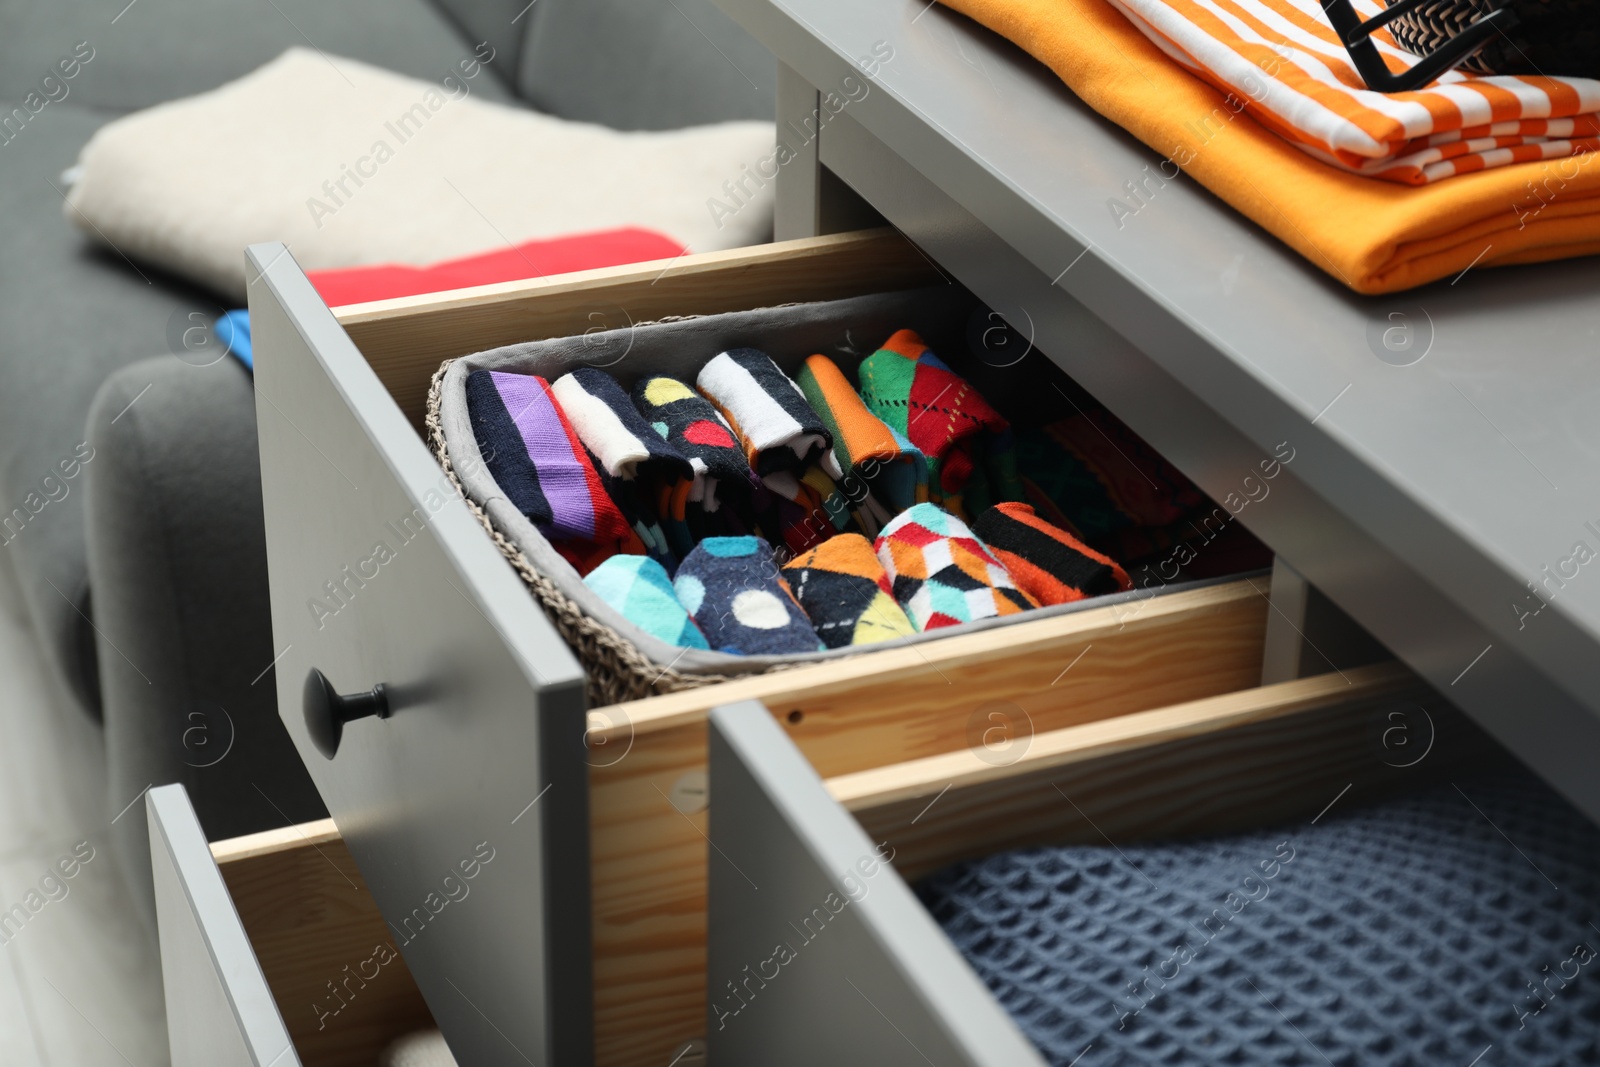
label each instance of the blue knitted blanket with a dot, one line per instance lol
(1453, 927)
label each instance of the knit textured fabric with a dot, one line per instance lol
(687, 421)
(611, 427)
(863, 444)
(734, 591)
(638, 587)
(941, 574)
(846, 593)
(1451, 926)
(954, 427)
(1045, 561)
(768, 413)
(540, 464)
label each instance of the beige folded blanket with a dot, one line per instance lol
(350, 165)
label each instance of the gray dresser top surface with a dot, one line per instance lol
(1477, 462)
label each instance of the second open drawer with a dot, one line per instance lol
(819, 952)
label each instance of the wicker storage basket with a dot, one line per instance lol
(621, 661)
(1553, 37)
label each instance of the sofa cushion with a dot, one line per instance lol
(398, 171)
(644, 64)
(157, 50)
(73, 312)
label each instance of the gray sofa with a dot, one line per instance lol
(130, 497)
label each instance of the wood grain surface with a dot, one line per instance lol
(309, 916)
(1261, 757)
(406, 339)
(649, 858)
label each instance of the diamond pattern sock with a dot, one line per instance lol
(908, 387)
(638, 587)
(846, 593)
(732, 588)
(1046, 562)
(941, 574)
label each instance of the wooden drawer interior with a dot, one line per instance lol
(330, 960)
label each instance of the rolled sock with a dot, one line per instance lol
(1045, 561)
(908, 387)
(687, 421)
(540, 464)
(846, 593)
(941, 574)
(767, 411)
(800, 512)
(638, 587)
(612, 428)
(865, 448)
(732, 588)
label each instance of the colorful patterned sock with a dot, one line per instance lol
(1047, 563)
(1093, 477)
(908, 387)
(766, 410)
(688, 422)
(638, 587)
(864, 446)
(941, 574)
(539, 463)
(733, 589)
(612, 428)
(800, 513)
(844, 589)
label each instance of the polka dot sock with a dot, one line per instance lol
(639, 588)
(1046, 562)
(845, 591)
(688, 422)
(941, 574)
(732, 588)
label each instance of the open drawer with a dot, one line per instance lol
(819, 952)
(272, 950)
(586, 938)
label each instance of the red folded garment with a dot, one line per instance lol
(531, 259)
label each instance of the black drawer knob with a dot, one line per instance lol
(327, 711)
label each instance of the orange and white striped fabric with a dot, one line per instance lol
(1282, 61)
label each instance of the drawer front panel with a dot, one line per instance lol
(220, 1012)
(466, 807)
(818, 952)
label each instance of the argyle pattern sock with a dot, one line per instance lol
(540, 464)
(1046, 562)
(612, 428)
(732, 588)
(908, 387)
(638, 588)
(845, 591)
(687, 421)
(864, 446)
(767, 411)
(941, 574)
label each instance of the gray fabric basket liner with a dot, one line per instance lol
(847, 331)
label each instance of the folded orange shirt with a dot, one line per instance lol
(1374, 236)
